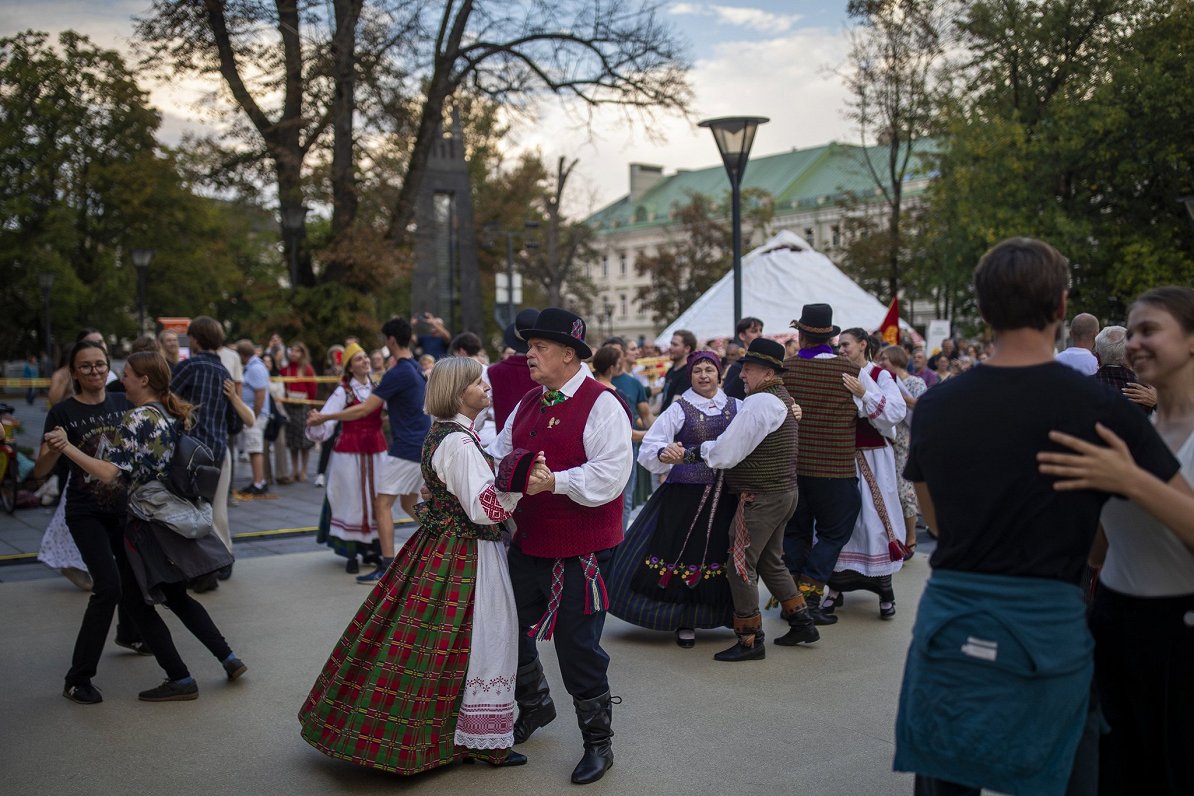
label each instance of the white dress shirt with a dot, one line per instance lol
(607, 446)
(665, 428)
(882, 403)
(759, 415)
(460, 465)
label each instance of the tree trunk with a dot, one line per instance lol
(344, 187)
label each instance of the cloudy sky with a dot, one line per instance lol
(766, 58)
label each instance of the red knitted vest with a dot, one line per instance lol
(553, 526)
(510, 380)
(866, 436)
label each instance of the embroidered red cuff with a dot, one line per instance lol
(879, 409)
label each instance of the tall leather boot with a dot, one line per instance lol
(594, 716)
(535, 708)
(803, 630)
(749, 646)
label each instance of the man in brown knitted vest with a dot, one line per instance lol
(758, 453)
(829, 497)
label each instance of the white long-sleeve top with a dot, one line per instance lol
(759, 415)
(882, 403)
(607, 446)
(459, 463)
(665, 428)
(336, 402)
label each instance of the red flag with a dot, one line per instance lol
(889, 330)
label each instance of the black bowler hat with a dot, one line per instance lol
(768, 353)
(816, 320)
(512, 335)
(560, 326)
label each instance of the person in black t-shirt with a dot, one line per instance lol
(1011, 549)
(676, 381)
(746, 331)
(95, 511)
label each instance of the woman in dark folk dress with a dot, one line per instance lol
(669, 573)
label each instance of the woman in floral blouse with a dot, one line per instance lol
(160, 562)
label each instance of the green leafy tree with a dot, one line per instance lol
(83, 181)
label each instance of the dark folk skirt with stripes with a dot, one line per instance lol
(670, 571)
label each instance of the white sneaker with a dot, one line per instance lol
(318, 480)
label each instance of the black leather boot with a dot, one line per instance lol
(535, 708)
(803, 630)
(594, 717)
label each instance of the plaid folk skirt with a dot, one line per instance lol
(389, 696)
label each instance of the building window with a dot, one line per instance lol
(605, 266)
(808, 236)
(837, 235)
(622, 301)
(622, 264)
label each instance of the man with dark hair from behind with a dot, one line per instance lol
(465, 344)
(745, 331)
(997, 682)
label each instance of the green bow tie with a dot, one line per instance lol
(553, 397)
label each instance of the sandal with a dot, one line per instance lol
(911, 551)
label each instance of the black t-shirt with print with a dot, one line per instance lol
(974, 443)
(91, 428)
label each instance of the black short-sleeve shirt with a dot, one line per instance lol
(974, 443)
(91, 428)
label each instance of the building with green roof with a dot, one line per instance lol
(813, 190)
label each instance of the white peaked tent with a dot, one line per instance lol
(778, 279)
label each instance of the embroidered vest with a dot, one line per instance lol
(363, 435)
(509, 379)
(699, 427)
(770, 467)
(443, 514)
(549, 525)
(827, 427)
(866, 436)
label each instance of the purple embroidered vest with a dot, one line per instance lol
(699, 427)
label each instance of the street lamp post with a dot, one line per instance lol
(527, 243)
(609, 317)
(734, 136)
(141, 258)
(293, 219)
(45, 280)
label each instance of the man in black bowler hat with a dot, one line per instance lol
(565, 536)
(829, 497)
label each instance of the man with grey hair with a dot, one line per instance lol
(1080, 355)
(1109, 347)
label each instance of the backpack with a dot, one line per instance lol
(193, 472)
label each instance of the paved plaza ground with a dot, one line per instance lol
(813, 719)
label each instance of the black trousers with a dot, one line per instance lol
(100, 539)
(1144, 672)
(827, 507)
(156, 634)
(577, 635)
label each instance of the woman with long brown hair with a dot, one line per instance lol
(159, 562)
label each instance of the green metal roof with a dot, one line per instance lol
(799, 179)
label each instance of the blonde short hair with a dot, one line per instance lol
(449, 379)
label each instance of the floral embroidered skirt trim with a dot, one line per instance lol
(390, 695)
